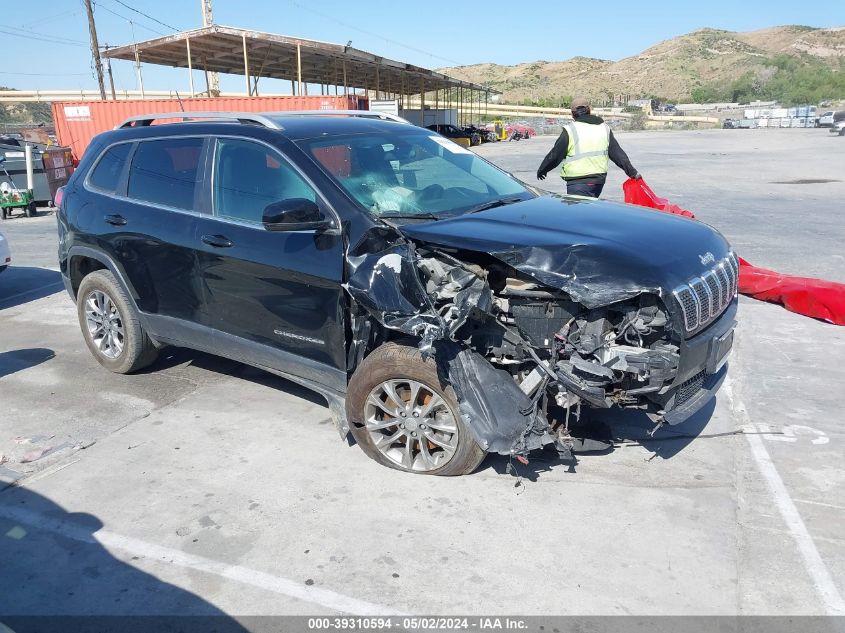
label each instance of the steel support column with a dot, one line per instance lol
(190, 66)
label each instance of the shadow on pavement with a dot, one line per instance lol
(22, 284)
(175, 356)
(600, 432)
(53, 565)
(20, 359)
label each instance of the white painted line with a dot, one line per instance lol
(813, 562)
(261, 580)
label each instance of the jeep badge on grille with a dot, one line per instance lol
(707, 258)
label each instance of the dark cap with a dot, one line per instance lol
(580, 102)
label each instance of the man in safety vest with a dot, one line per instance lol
(584, 147)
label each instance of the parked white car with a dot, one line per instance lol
(5, 252)
(826, 119)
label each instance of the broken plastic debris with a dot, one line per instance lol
(35, 439)
(34, 455)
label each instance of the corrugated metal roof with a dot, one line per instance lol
(220, 49)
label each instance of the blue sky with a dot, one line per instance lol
(432, 34)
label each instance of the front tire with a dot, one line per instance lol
(403, 415)
(110, 325)
(31, 210)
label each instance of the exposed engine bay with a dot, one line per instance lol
(513, 347)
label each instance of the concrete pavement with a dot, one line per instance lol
(207, 487)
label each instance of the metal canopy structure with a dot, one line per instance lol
(255, 54)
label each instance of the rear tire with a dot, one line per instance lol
(422, 433)
(31, 210)
(110, 325)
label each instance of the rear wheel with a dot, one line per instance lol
(110, 325)
(404, 416)
(31, 210)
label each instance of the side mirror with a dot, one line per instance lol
(2, 159)
(294, 214)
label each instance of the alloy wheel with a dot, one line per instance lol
(105, 325)
(411, 425)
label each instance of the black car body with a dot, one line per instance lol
(460, 136)
(521, 300)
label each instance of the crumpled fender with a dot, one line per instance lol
(501, 417)
(387, 285)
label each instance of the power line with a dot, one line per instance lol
(43, 37)
(370, 33)
(149, 17)
(123, 17)
(4, 72)
(50, 18)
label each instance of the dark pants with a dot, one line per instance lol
(590, 188)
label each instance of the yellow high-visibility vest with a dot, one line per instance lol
(587, 152)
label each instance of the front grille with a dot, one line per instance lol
(704, 298)
(689, 388)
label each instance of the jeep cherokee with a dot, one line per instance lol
(442, 307)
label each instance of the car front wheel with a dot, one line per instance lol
(110, 325)
(403, 416)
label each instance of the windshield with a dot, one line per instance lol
(414, 173)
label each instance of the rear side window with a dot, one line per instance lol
(107, 171)
(166, 171)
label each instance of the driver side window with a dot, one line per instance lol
(249, 176)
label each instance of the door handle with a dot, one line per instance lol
(217, 241)
(115, 220)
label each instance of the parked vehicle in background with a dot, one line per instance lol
(826, 119)
(483, 135)
(5, 252)
(526, 131)
(838, 124)
(443, 308)
(456, 134)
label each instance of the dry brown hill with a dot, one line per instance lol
(670, 69)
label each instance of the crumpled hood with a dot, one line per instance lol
(598, 252)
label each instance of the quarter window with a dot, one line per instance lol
(165, 172)
(248, 177)
(107, 172)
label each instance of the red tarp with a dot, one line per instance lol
(815, 298)
(637, 192)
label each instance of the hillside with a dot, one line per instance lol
(24, 112)
(672, 69)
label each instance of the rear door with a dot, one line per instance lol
(143, 217)
(275, 298)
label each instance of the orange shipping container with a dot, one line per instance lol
(78, 122)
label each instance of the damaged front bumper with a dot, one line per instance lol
(701, 371)
(511, 347)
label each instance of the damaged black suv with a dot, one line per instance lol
(443, 308)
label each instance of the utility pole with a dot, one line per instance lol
(213, 79)
(95, 48)
(111, 77)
